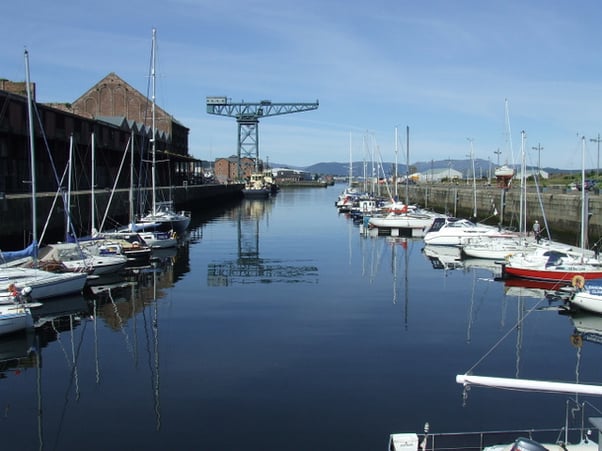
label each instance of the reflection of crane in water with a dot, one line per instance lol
(249, 267)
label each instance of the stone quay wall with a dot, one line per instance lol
(562, 208)
(16, 215)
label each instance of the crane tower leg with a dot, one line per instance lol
(248, 143)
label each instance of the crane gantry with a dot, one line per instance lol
(247, 117)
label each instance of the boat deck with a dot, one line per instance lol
(473, 441)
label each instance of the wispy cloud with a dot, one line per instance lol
(444, 68)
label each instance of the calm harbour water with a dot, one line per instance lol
(277, 326)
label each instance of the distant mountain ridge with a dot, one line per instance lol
(465, 166)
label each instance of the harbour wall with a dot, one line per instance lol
(559, 208)
(16, 215)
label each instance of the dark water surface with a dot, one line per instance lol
(279, 327)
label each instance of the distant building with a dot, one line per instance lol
(436, 175)
(532, 173)
(282, 175)
(226, 169)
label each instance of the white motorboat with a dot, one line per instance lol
(14, 317)
(448, 231)
(159, 240)
(586, 297)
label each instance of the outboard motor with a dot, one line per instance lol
(525, 444)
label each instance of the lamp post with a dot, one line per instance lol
(539, 149)
(597, 140)
(498, 152)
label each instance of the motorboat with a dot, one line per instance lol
(130, 244)
(159, 240)
(450, 231)
(585, 296)
(14, 317)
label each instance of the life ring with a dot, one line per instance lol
(576, 340)
(578, 281)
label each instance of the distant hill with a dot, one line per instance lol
(464, 166)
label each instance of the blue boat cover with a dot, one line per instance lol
(29, 251)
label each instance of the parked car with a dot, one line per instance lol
(589, 185)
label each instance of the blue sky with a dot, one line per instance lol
(443, 68)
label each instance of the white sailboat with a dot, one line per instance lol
(162, 215)
(409, 220)
(553, 262)
(39, 283)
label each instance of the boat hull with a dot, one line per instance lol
(587, 301)
(402, 222)
(252, 193)
(549, 275)
(14, 318)
(42, 283)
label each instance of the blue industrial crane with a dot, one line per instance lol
(247, 116)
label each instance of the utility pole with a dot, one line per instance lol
(539, 149)
(597, 140)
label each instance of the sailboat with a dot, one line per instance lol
(40, 284)
(162, 215)
(500, 248)
(568, 438)
(346, 199)
(407, 219)
(557, 263)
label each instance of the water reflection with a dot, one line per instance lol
(249, 267)
(587, 327)
(66, 327)
(17, 352)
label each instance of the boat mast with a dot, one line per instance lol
(131, 190)
(69, 179)
(92, 191)
(153, 139)
(523, 187)
(583, 218)
(350, 183)
(34, 213)
(395, 172)
(474, 181)
(407, 164)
